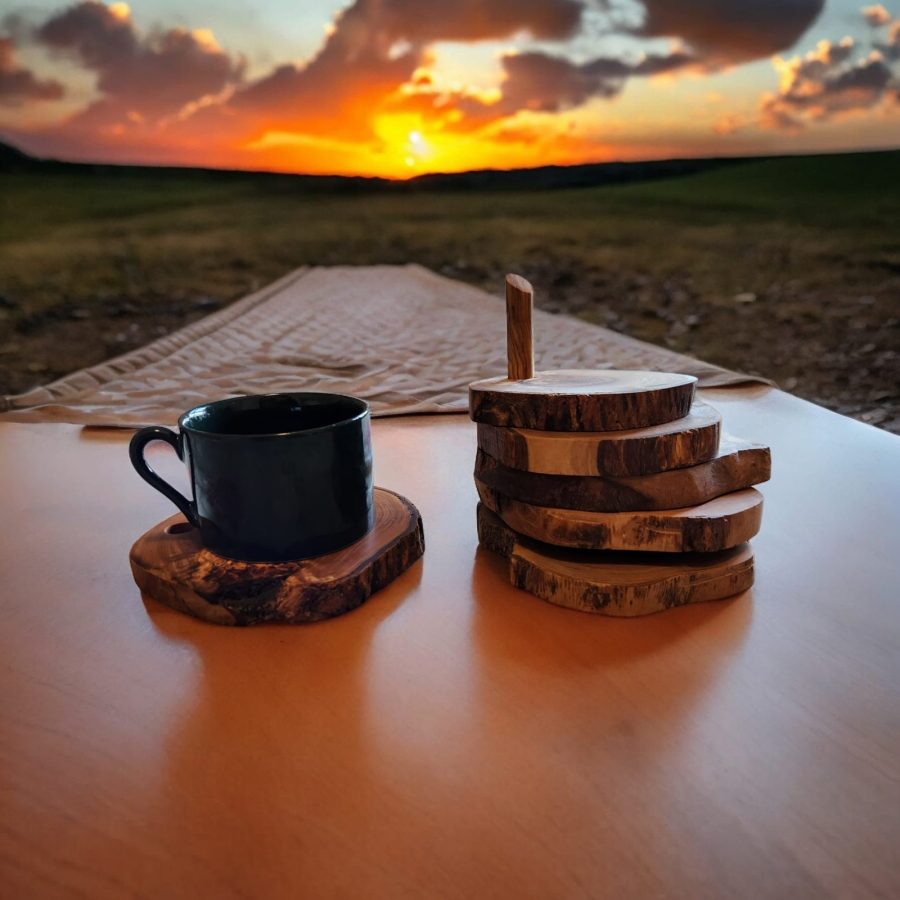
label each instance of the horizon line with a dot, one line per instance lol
(4, 141)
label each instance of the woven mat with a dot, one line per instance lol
(402, 338)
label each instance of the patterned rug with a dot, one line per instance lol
(401, 337)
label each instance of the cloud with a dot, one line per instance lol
(375, 46)
(182, 83)
(363, 61)
(825, 83)
(730, 31)
(544, 83)
(467, 20)
(539, 82)
(553, 140)
(171, 94)
(825, 59)
(370, 56)
(891, 48)
(717, 33)
(729, 124)
(139, 77)
(19, 85)
(876, 16)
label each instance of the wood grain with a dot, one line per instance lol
(737, 465)
(583, 400)
(170, 565)
(717, 525)
(742, 750)
(519, 341)
(615, 584)
(641, 451)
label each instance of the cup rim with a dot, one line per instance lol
(225, 435)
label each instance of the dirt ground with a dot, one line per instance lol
(839, 354)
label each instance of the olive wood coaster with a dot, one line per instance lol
(640, 451)
(615, 584)
(717, 525)
(737, 465)
(570, 399)
(583, 400)
(170, 565)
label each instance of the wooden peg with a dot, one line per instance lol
(519, 345)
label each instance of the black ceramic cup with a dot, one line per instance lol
(275, 477)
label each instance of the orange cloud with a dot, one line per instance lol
(371, 98)
(19, 85)
(890, 49)
(139, 78)
(876, 15)
(825, 83)
(729, 124)
(538, 82)
(377, 46)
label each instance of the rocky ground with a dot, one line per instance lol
(842, 352)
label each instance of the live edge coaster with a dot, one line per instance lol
(641, 451)
(582, 400)
(717, 525)
(737, 465)
(170, 565)
(616, 584)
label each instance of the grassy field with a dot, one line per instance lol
(789, 268)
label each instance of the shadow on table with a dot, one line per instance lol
(614, 692)
(517, 627)
(273, 708)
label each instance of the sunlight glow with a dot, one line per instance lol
(387, 92)
(206, 39)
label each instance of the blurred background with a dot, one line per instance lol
(720, 178)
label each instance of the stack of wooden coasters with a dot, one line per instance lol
(611, 491)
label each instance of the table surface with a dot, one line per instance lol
(454, 737)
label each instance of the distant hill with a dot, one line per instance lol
(540, 178)
(13, 158)
(587, 175)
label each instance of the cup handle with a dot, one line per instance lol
(136, 451)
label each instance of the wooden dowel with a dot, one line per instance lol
(519, 345)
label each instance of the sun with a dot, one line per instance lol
(406, 147)
(417, 148)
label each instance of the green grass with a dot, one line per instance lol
(816, 239)
(68, 234)
(847, 190)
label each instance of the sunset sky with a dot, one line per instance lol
(399, 87)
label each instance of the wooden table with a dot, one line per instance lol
(454, 737)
